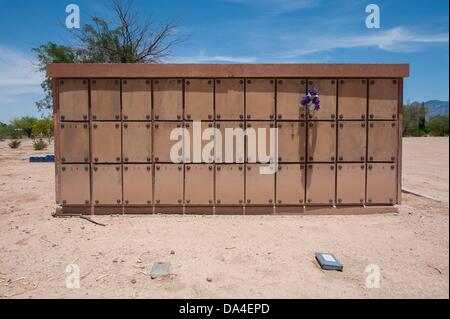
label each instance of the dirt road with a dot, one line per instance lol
(242, 257)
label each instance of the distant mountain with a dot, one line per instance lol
(435, 107)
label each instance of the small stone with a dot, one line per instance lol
(115, 261)
(172, 252)
(133, 281)
(82, 227)
(209, 279)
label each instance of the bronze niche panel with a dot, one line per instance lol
(381, 183)
(260, 99)
(168, 184)
(137, 184)
(260, 188)
(105, 99)
(291, 184)
(107, 184)
(382, 141)
(351, 183)
(320, 184)
(137, 142)
(75, 188)
(238, 142)
(199, 99)
(230, 184)
(74, 142)
(205, 144)
(162, 143)
(351, 141)
(291, 141)
(106, 142)
(383, 99)
(229, 99)
(261, 129)
(73, 100)
(168, 99)
(136, 99)
(289, 94)
(321, 141)
(199, 184)
(352, 99)
(327, 89)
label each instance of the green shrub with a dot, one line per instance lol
(43, 127)
(24, 125)
(438, 125)
(14, 144)
(39, 145)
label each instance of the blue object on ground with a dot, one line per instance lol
(46, 158)
(160, 269)
(329, 262)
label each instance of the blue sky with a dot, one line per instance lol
(245, 31)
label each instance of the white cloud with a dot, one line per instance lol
(398, 39)
(203, 58)
(280, 6)
(18, 75)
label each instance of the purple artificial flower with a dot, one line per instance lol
(316, 102)
(313, 92)
(305, 100)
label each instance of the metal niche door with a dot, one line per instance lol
(106, 142)
(105, 99)
(229, 99)
(107, 184)
(137, 142)
(260, 188)
(199, 184)
(381, 183)
(383, 99)
(136, 99)
(382, 141)
(291, 141)
(74, 142)
(137, 184)
(73, 100)
(238, 142)
(352, 99)
(290, 184)
(168, 184)
(327, 90)
(289, 94)
(230, 184)
(352, 141)
(320, 184)
(260, 99)
(351, 183)
(168, 99)
(321, 141)
(162, 143)
(75, 187)
(199, 99)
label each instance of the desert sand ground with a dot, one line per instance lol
(241, 256)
